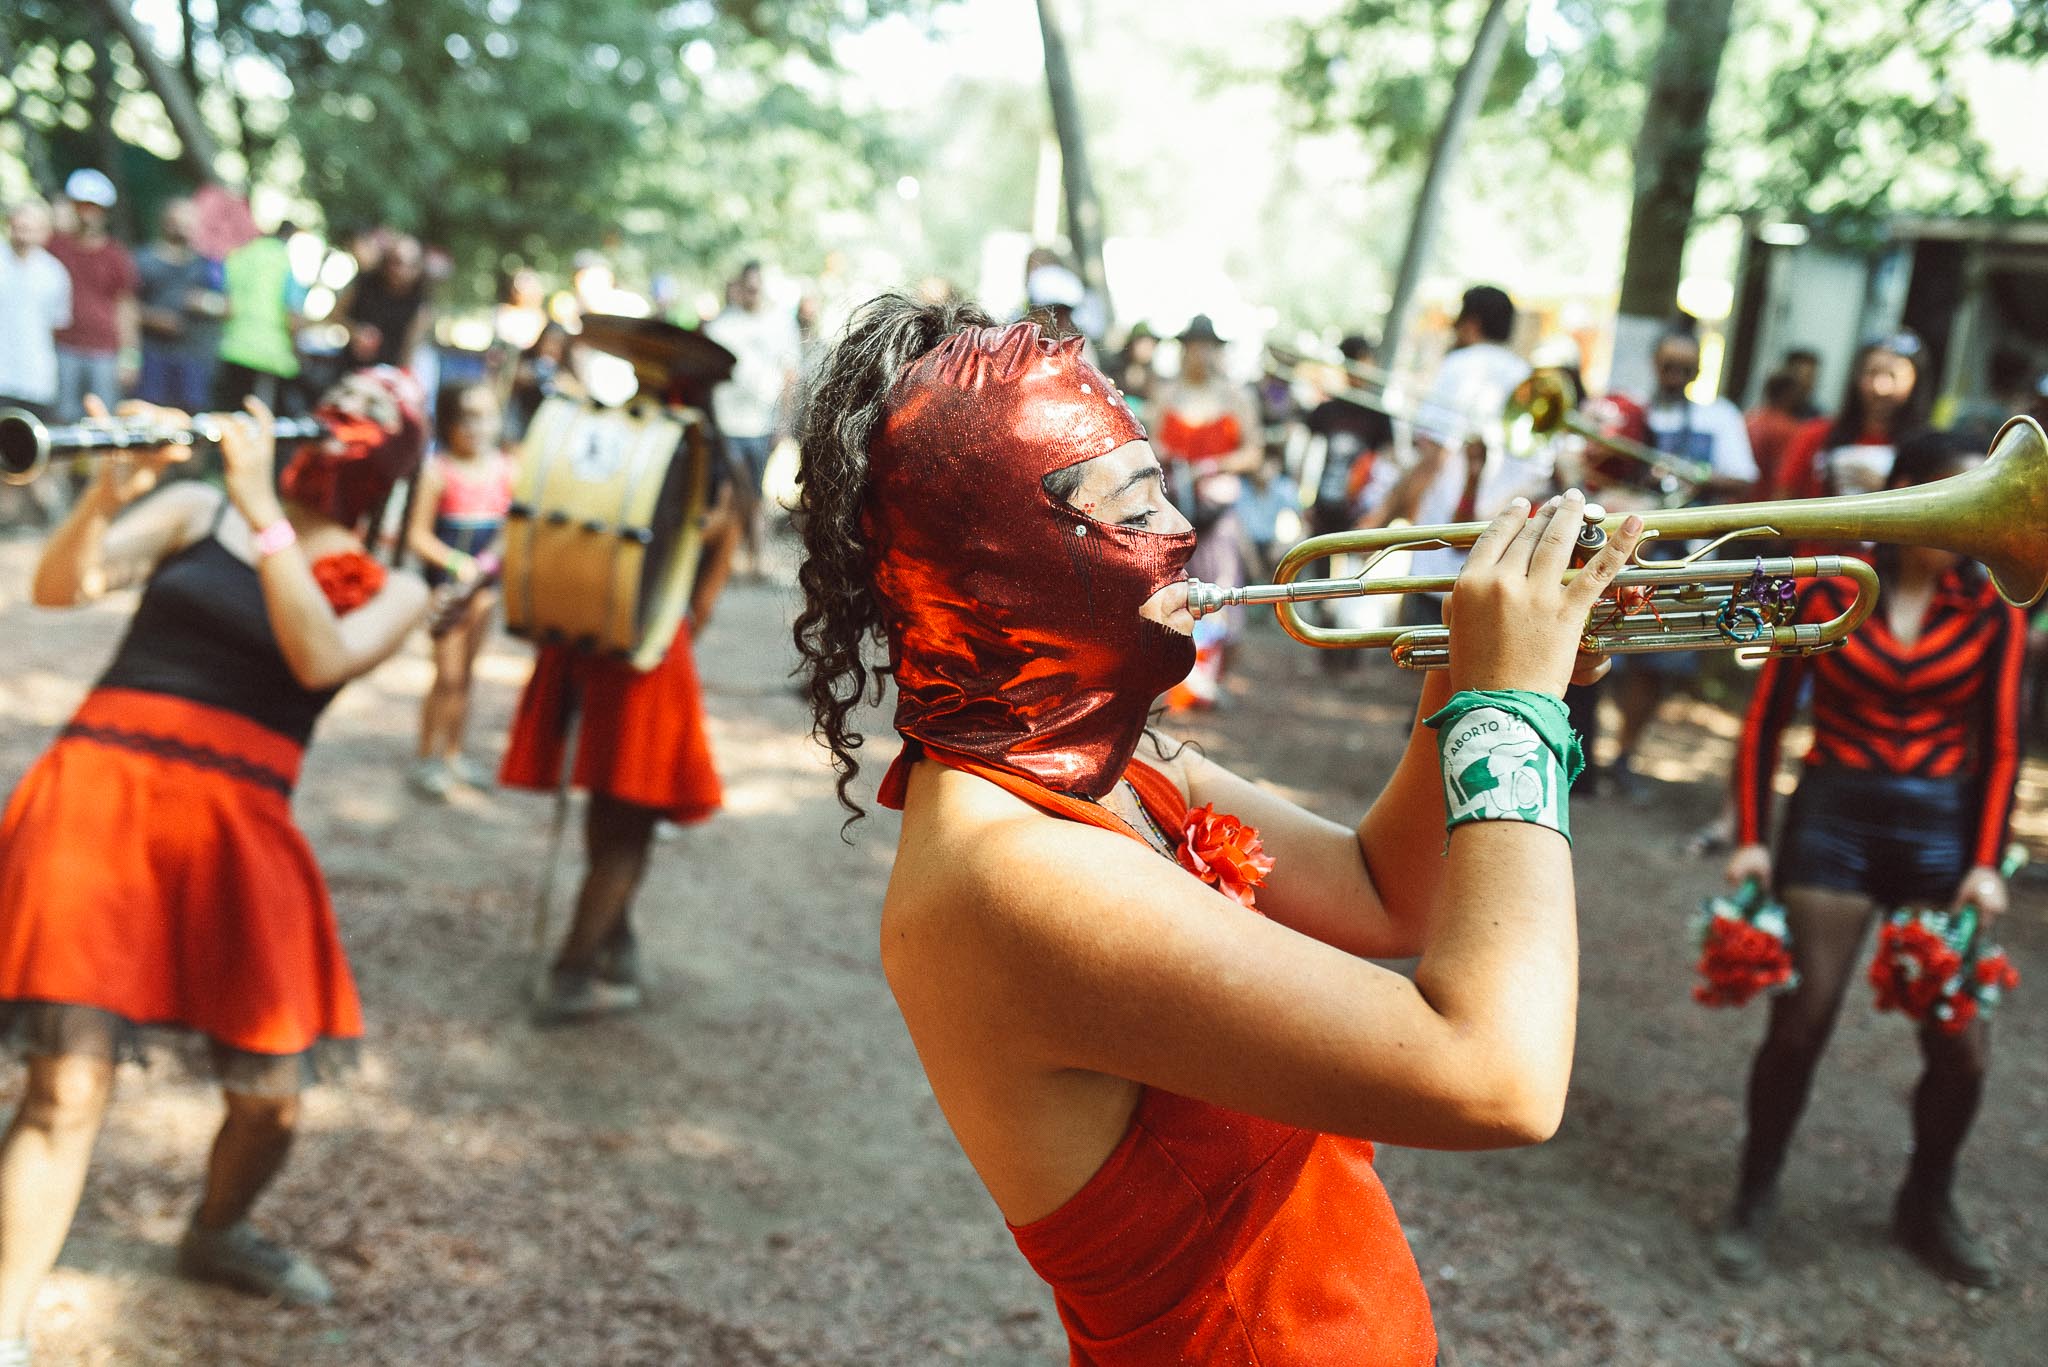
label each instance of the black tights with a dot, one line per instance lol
(1827, 929)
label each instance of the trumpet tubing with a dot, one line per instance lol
(1996, 514)
(27, 444)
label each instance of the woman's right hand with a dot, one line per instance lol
(125, 476)
(1748, 861)
(248, 453)
(1514, 622)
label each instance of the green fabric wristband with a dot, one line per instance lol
(1508, 755)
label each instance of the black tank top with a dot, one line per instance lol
(202, 633)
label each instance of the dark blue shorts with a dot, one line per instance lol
(471, 538)
(1899, 841)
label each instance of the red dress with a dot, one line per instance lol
(642, 737)
(1216, 1238)
(151, 873)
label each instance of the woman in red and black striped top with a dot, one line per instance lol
(1904, 800)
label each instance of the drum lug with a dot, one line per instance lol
(596, 525)
(519, 509)
(641, 535)
(557, 518)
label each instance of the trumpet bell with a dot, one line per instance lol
(2007, 519)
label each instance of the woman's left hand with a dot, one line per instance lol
(248, 451)
(1983, 888)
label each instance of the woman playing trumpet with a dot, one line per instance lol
(1140, 985)
(151, 874)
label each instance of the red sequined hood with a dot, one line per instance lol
(1012, 619)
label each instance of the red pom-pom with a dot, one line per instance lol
(1997, 971)
(1738, 960)
(1224, 853)
(349, 579)
(1912, 967)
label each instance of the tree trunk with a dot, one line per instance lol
(1084, 211)
(1671, 150)
(188, 47)
(195, 143)
(1443, 155)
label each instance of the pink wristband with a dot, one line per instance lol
(274, 538)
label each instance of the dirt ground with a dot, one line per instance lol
(752, 1171)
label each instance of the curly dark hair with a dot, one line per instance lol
(842, 405)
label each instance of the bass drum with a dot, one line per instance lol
(602, 539)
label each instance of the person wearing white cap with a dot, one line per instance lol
(100, 353)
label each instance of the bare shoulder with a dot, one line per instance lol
(980, 879)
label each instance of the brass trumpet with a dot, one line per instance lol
(26, 444)
(1996, 515)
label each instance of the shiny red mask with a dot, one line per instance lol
(377, 433)
(1012, 619)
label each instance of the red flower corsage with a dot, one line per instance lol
(1224, 853)
(349, 579)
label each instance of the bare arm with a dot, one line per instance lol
(1361, 890)
(322, 650)
(419, 523)
(1095, 954)
(99, 547)
(714, 562)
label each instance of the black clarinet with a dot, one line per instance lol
(27, 443)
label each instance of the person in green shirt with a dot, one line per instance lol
(257, 352)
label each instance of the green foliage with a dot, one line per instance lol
(1384, 68)
(530, 128)
(1851, 109)
(684, 130)
(1861, 126)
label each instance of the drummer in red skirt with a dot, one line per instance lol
(151, 873)
(643, 755)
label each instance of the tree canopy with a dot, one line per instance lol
(503, 128)
(1853, 109)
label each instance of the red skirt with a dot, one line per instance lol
(641, 740)
(150, 871)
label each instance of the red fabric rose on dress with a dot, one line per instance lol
(349, 580)
(1224, 853)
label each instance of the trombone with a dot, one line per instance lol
(1996, 514)
(1543, 405)
(26, 444)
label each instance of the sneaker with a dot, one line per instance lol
(619, 964)
(430, 779)
(1741, 1244)
(1621, 778)
(1932, 1230)
(241, 1258)
(572, 997)
(469, 773)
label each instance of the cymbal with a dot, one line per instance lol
(665, 356)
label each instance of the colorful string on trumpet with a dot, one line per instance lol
(1756, 606)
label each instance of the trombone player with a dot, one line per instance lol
(1470, 474)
